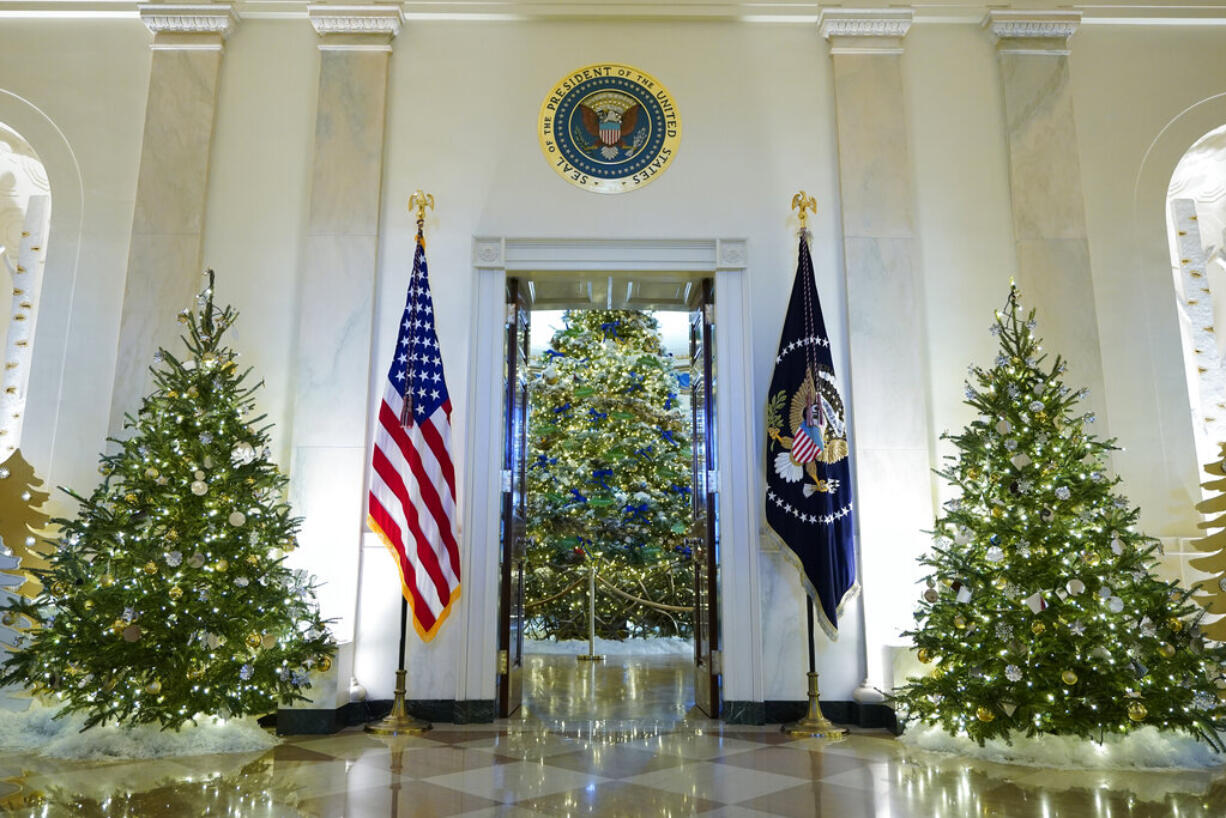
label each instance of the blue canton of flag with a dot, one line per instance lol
(808, 477)
(417, 369)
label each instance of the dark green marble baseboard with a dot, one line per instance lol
(780, 712)
(446, 711)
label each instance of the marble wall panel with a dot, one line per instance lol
(1044, 165)
(348, 164)
(332, 382)
(164, 257)
(874, 153)
(327, 492)
(888, 375)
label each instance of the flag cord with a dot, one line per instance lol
(809, 617)
(404, 627)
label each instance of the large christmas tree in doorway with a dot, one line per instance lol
(1042, 614)
(169, 596)
(608, 482)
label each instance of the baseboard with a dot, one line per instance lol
(839, 712)
(447, 711)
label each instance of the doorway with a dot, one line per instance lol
(609, 525)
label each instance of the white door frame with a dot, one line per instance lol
(740, 493)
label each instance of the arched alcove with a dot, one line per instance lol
(25, 219)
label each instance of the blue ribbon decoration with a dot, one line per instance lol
(636, 383)
(544, 462)
(597, 417)
(682, 490)
(553, 353)
(609, 328)
(602, 476)
(562, 410)
(670, 400)
(646, 452)
(638, 512)
(667, 435)
(579, 498)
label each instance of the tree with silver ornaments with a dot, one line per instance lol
(609, 462)
(1042, 614)
(169, 597)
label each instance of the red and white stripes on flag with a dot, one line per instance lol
(412, 482)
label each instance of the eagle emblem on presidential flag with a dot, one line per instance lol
(813, 430)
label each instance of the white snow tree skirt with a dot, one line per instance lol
(36, 730)
(1143, 749)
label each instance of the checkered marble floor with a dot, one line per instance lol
(525, 770)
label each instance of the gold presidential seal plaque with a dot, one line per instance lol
(609, 128)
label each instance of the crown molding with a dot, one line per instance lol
(865, 31)
(1032, 32)
(382, 19)
(216, 19)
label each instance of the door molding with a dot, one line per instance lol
(725, 260)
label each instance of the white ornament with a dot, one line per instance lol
(237, 519)
(1076, 586)
(995, 554)
(962, 536)
(1036, 602)
(199, 475)
(1117, 546)
(1020, 460)
(242, 454)
(1003, 427)
(1013, 673)
(200, 488)
(1115, 604)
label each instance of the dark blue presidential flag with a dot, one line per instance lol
(808, 478)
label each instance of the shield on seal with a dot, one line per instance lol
(611, 131)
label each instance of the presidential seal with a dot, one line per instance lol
(609, 128)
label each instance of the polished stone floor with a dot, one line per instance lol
(609, 757)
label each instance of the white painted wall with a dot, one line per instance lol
(757, 124)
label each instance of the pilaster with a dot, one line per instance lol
(1049, 225)
(168, 223)
(890, 433)
(337, 294)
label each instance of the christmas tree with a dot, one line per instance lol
(1042, 614)
(21, 521)
(168, 597)
(1211, 593)
(608, 482)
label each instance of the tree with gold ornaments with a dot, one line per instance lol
(22, 524)
(1211, 593)
(1042, 614)
(608, 482)
(168, 597)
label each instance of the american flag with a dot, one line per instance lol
(412, 484)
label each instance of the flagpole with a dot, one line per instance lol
(399, 722)
(814, 724)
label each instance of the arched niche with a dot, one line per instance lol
(59, 275)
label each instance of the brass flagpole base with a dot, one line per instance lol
(398, 722)
(814, 724)
(590, 657)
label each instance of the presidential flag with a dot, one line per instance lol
(808, 479)
(412, 482)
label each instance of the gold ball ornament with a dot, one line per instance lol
(998, 512)
(59, 588)
(88, 604)
(254, 640)
(151, 568)
(1137, 711)
(117, 626)
(222, 565)
(175, 593)
(1091, 557)
(1068, 677)
(999, 583)
(154, 687)
(1166, 649)
(151, 472)
(924, 655)
(985, 714)
(325, 664)
(960, 622)
(1037, 628)
(253, 559)
(172, 535)
(8, 618)
(1175, 624)
(130, 499)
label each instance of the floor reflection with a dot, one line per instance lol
(615, 740)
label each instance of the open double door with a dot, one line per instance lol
(704, 533)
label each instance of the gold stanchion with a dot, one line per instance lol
(591, 655)
(814, 724)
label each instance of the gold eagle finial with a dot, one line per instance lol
(804, 202)
(419, 201)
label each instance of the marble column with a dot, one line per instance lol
(1049, 223)
(888, 378)
(331, 411)
(164, 263)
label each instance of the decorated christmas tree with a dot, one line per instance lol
(21, 523)
(1211, 593)
(608, 482)
(1042, 614)
(168, 597)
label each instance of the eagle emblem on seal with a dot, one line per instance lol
(818, 431)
